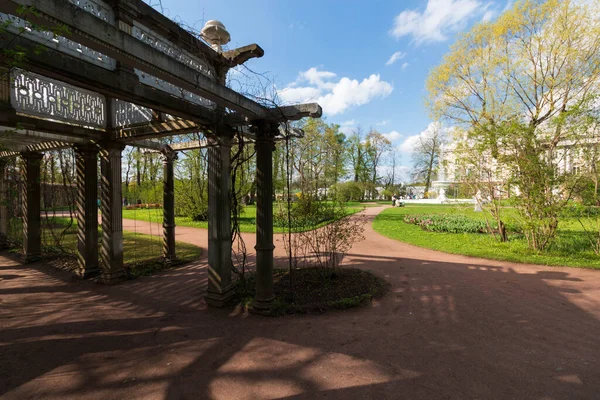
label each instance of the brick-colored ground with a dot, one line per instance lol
(452, 327)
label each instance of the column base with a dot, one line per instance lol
(112, 277)
(170, 260)
(86, 273)
(262, 307)
(29, 258)
(220, 298)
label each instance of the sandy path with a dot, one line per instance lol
(452, 327)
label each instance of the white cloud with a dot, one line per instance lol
(383, 123)
(440, 18)
(405, 65)
(347, 127)
(333, 94)
(393, 136)
(488, 16)
(409, 144)
(395, 57)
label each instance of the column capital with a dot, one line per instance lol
(265, 130)
(32, 155)
(87, 150)
(168, 156)
(223, 139)
(111, 149)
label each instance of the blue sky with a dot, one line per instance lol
(341, 53)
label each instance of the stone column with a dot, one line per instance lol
(220, 288)
(86, 160)
(169, 207)
(3, 206)
(264, 221)
(31, 206)
(111, 251)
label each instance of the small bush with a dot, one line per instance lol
(143, 206)
(446, 223)
(347, 191)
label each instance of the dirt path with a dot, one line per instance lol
(452, 327)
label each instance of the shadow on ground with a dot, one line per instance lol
(445, 330)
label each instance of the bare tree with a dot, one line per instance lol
(426, 154)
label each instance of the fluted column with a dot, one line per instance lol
(86, 160)
(3, 206)
(111, 252)
(264, 220)
(31, 206)
(220, 288)
(169, 254)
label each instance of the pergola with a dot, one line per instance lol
(124, 74)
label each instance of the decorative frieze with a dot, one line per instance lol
(176, 91)
(127, 114)
(49, 39)
(97, 8)
(37, 95)
(162, 44)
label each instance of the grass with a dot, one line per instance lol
(142, 254)
(247, 219)
(570, 248)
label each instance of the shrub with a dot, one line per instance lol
(446, 223)
(347, 191)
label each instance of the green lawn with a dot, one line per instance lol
(137, 248)
(571, 247)
(247, 219)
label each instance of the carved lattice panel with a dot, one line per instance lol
(127, 114)
(97, 8)
(37, 95)
(162, 44)
(21, 27)
(176, 91)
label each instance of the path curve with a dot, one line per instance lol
(452, 327)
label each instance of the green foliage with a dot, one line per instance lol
(460, 191)
(453, 223)
(307, 214)
(142, 254)
(347, 191)
(586, 191)
(351, 302)
(570, 248)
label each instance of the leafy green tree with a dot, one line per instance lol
(522, 87)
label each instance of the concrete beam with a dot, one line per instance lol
(242, 54)
(156, 129)
(279, 114)
(101, 36)
(26, 135)
(151, 18)
(193, 145)
(9, 118)
(115, 84)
